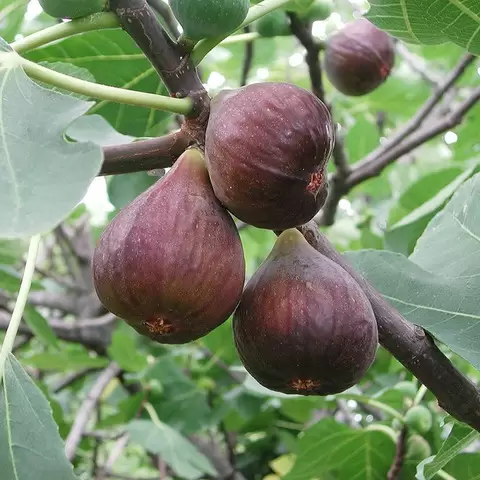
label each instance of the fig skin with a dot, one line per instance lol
(171, 263)
(359, 58)
(267, 147)
(304, 326)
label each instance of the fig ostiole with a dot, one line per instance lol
(171, 263)
(359, 58)
(304, 326)
(267, 146)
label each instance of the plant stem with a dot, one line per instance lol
(255, 12)
(20, 303)
(97, 21)
(420, 394)
(104, 92)
(240, 38)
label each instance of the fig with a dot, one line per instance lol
(267, 147)
(419, 418)
(303, 325)
(318, 11)
(274, 24)
(209, 18)
(72, 8)
(171, 263)
(359, 58)
(417, 449)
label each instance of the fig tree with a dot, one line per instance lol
(171, 263)
(209, 18)
(72, 8)
(274, 24)
(304, 326)
(359, 58)
(267, 147)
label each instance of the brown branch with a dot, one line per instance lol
(375, 167)
(144, 155)
(83, 415)
(410, 344)
(417, 65)
(170, 60)
(399, 460)
(247, 59)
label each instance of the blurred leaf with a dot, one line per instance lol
(465, 465)
(123, 189)
(329, 445)
(65, 361)
(45, 176)
(127, 410)
(10, 280)
(12, 13)
(181, 401)
(31, 445)
(220, 343)
(40, 327)
(183, 457)
(460, 437)
(124, 351)
(11, 251)
(361, 139)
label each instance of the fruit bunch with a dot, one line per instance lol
(171, 263)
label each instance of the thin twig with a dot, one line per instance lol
(410, 344)
(398, 461)
(83, 415)
(247, 59)
(72, 378)
(417, 64)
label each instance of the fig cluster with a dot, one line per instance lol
(171, 263)
(359, 58)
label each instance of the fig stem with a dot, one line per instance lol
(410, 344)
(43, 37)
(104, 92)
(372, 403)
(20, 303)
(256, 11)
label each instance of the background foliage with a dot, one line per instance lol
(191, 411)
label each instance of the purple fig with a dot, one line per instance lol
(304, 326)
(171, 263)
(267, 147)
(359, 58)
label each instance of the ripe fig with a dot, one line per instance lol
(304, 326)
(359, 58)
(209, 18)
(267, 147)
(171, 262)
(72, 8)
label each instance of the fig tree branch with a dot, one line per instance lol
(399, 460)
(144, 155)
(172, 63)
(247, 59)
(410, 344)
(88, 406)
(406, 139)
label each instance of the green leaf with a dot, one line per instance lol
(181, 401)
(31, 446)
(113, 58)
(127, 410)
(424, 21)
(123, 189)
(65, 361)
(44, 176)
(12, 14)
(465, 465)
(361, 139)
(183, 457)
(328, 445)
(40, 327)
(418, 205)
(460, 437)
(11, 251)
(124, 351)
(440, 290)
